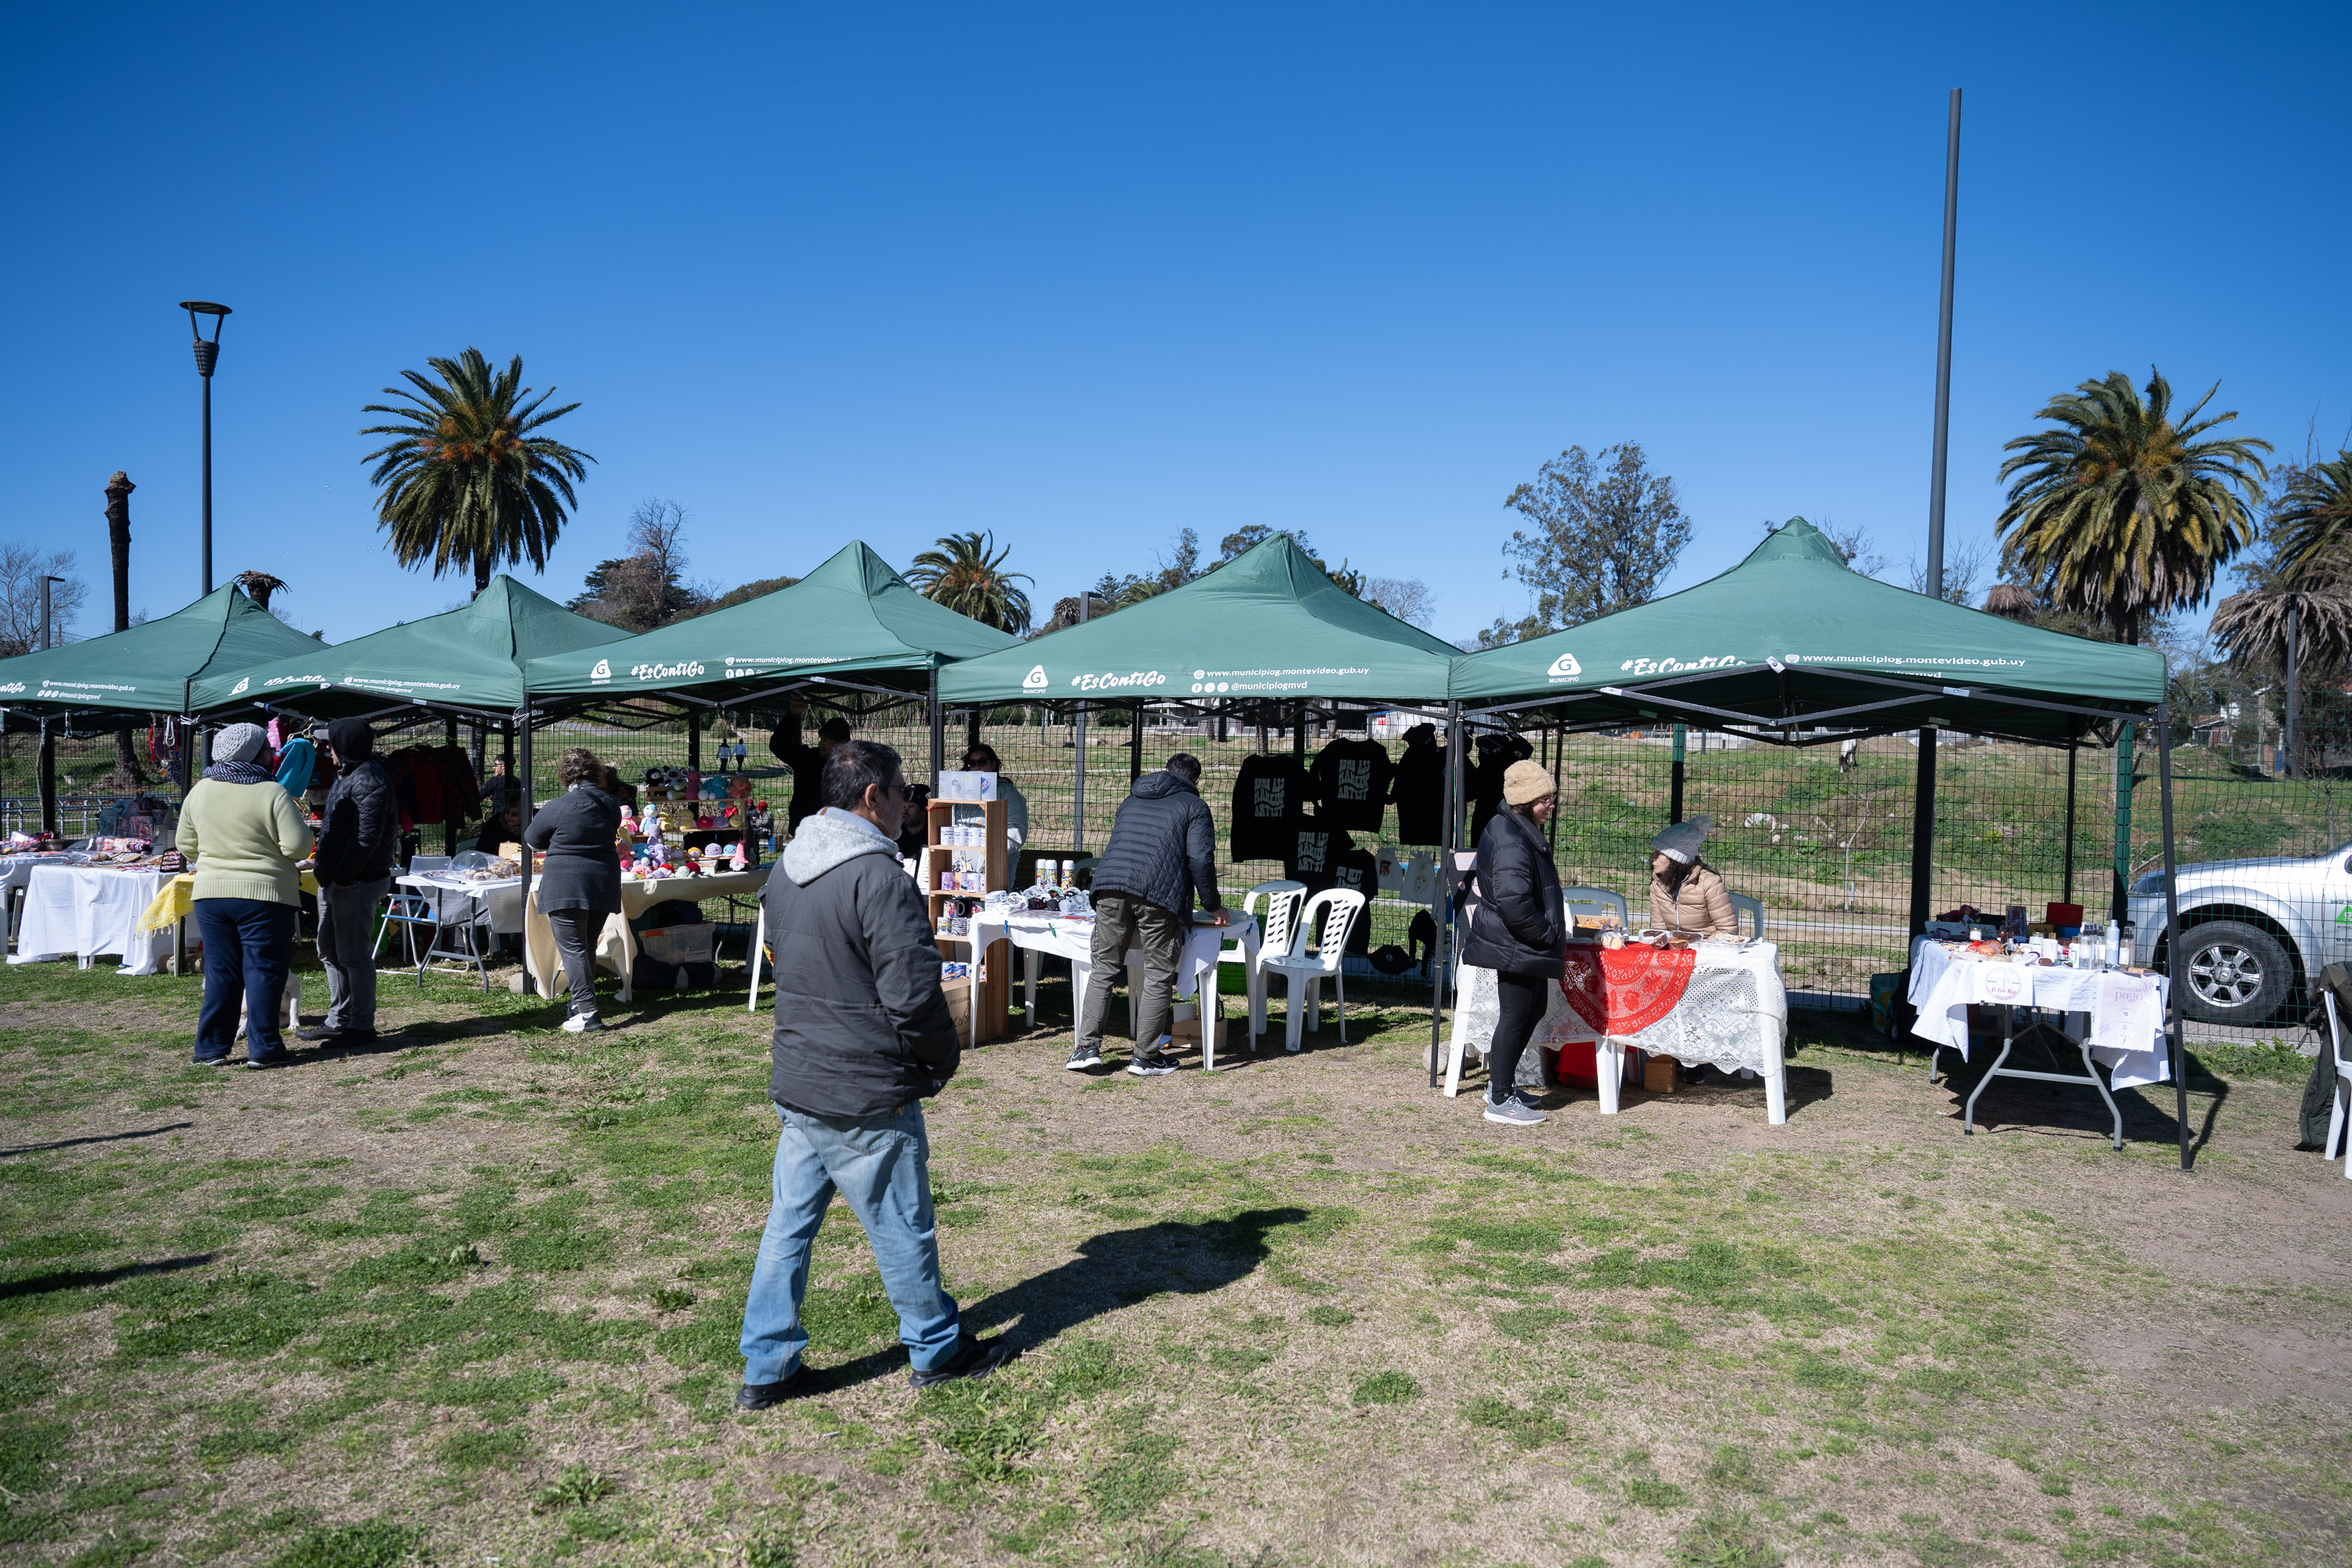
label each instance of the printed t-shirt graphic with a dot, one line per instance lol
(1352, 783)
(1359, 871)
(1269, 797)
(1314, 847)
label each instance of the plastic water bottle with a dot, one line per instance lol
(2115, 952)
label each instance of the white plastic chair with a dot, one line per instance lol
(2341, 1110)
(1281, 901)
(1340, 908)
(759, 946)
(1755, 909)
(1593, 900)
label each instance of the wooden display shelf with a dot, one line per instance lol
(994, 995)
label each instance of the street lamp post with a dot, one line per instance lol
(48, 638)
(207, 356)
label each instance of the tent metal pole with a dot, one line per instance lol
(1559, 751)
(1923, 833)
(2174, 947)
(530, 987)
(1442, 947)
(2066, 895)
(48, 776)
(1674, 804)
(1134, 744)
(938, 729)
(2293, 619)
(693, 740)
(450, 808)
(2125, 764)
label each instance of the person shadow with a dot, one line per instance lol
(1114, 1269)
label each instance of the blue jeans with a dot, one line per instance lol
(881, 1164)
(248, 942)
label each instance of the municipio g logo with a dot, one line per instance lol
(604, 670)
(1035, 680)
(238, 689)
(1565, 667)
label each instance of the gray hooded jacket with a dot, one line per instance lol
(862, 1026)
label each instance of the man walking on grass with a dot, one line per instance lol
(863, 1035)
(1163, 849)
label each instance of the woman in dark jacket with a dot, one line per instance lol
(1518, 931)
(580, 882)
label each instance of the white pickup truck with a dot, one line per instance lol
(2256, 932)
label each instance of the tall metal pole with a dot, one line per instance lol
(45, 610)
(2067, 895)
(2174, 947)
(1079, 779)
(1444, 946)
(2126, 779)
(207, 570)
(1923, 806)
(2293, 619)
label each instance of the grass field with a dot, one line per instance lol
(472, 1297)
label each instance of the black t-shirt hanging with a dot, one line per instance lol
(1358, 870)
(1315, 845)
(1352, 783)
(1496, 755)
(1421, 787)
(1269, 797)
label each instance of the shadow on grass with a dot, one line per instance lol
(94, 1138)
(92, 1278)
(1116, 1269)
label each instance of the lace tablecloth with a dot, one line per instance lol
(1733, 1013)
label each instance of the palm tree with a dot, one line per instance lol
(2313, 518)
(259, 585)
(2120, 513)
(464, 481)
(963, 576)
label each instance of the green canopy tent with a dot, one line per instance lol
(466, 663)
(1793, 647)
(853, 625)
(150, 669)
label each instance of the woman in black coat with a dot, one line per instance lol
(1519, 931)
(580, 882)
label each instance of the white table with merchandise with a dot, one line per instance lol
(2114, 1017)
(16, 875)
(616, 946)
(1037, 933)
(91, 912)
(500, 900)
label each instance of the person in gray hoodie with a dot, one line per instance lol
(862, 1037)
(1162, 851)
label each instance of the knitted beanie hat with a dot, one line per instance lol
(1680, 842)
(1524, 781)
(239, 743)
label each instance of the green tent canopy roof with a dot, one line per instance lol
(471, 658)
(1267, 624)
(151, 667)
(852, 615)
(1793, 636)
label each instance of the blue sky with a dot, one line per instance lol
(1085, 275)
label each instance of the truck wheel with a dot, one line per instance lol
(2238, 974)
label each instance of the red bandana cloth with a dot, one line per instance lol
(1623, 990)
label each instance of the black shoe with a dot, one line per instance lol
(1083, 1058)
(973, 1358)
(761, 1395)
(276, 1059)
(222, 1060)
(1150, 1067)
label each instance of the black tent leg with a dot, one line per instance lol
(529, 985)
(1439, 954)
(2067, 895)
(2174, 946)
(1923, 836)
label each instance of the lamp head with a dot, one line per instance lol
(207, 349)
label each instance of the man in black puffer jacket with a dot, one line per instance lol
(863, 1035)
(359, 832)
(1163, 849)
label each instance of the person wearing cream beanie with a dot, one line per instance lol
(1518, 929)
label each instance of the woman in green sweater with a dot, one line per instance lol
(243, 836)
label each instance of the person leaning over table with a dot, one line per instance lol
(1162, 849)
(1686, 897)
(863, 1036)
(1520, 932)
(359, 837)
(244, 836)
(981, 759)
(579, 881)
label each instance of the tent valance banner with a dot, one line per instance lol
(852, 615)
(1267, 625)
(151, 667)
(1793, 636)
(471, 657)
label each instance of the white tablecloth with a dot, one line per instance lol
(2123, 1014)
(1734, 1014)
(457, 900)
(90, 911)
(1041, 933)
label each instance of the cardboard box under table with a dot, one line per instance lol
(616, 948)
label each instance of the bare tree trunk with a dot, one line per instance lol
(128, 774)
